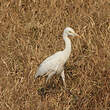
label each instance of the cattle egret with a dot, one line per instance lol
(55, 63)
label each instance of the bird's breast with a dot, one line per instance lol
(60, 68)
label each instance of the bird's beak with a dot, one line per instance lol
(75, 35)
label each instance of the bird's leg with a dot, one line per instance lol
(63, 78)
(49, 76)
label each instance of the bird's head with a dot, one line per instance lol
(69, 32)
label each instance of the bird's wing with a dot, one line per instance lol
(53, 57)
(49, 64)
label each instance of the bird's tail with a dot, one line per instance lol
(36, 75)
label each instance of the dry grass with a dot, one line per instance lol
(30, 30)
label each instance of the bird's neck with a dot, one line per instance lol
(67, 49)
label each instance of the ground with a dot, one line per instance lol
(31, 30)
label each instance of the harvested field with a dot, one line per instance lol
(31, 30)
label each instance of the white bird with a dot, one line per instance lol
(55, 63)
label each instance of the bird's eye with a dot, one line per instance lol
(70, 32)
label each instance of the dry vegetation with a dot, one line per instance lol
(31, 30)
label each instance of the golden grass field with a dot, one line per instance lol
(31, 30)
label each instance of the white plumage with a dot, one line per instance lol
(55, 63)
